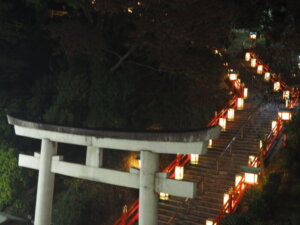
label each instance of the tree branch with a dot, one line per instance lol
(122, 59)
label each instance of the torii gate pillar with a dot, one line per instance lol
(43, 209)
(148, 197)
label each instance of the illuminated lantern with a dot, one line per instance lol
(253, 35)
(260, 144)
(251, 174)
(240, 104)
(222, 123)
(251, 161)
(267, 76)
(225, 64)
(233, 76)
(194, 159)
(245, 93)
(253, 62)
(251, 178)
(230, 114)
(260, 69)
(238, 178)
(286, 94)
(130, 9)
(210, 143)
(247, 56)
(276, 86)
(179, 171)
(138, 158)
(209, 222)
(163, 196)
(225, 200)
(285, 114)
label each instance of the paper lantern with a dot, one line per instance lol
(138, 158)
(260, 69)
(245, 93)
(163, 196)
(260, 144)
(210, 143)
(233, 76)
(209, 222)
(222, 123)
(247, 56)
(251, 178)
(194, 159)
(230, 114)
(267, 76)
(238, 178)
(285, 114)
(240, 104)
(253, 62)
(276, 86)
(225, 198)
(253, 35)
(252, 161)
(286, 94)
(179, 171)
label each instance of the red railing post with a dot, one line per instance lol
(124, 215)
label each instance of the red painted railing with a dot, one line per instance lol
(182, 160)
(230, 205)
(129, 216)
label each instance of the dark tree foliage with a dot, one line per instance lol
(109, 64)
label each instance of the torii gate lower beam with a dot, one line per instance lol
(148, 180)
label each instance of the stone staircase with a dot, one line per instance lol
(213, 182)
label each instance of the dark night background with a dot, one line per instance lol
(134, 65)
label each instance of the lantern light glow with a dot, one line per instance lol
(276, 86)
(253, 62)
(285, 114)
(286, 94)
(230, 114)
(194, 159)
(274, 125)
(251, 178)
(267, 76)
(210, 143)
(247, 56)
(240, 104)
(260, 144)
(238, 178)
(253, 35)
(251, 161)
(179, 171)
(233, 76)
(245, 93)
(260, 69)
(163, 196)
(222, 123)
(209, 222)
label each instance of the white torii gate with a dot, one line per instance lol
(148, 180)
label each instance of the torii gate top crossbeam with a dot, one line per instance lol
(156, 141)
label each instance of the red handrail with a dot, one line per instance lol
(238, 191)
(182, 160)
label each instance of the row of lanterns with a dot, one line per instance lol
(250, 176)
(260, 70)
